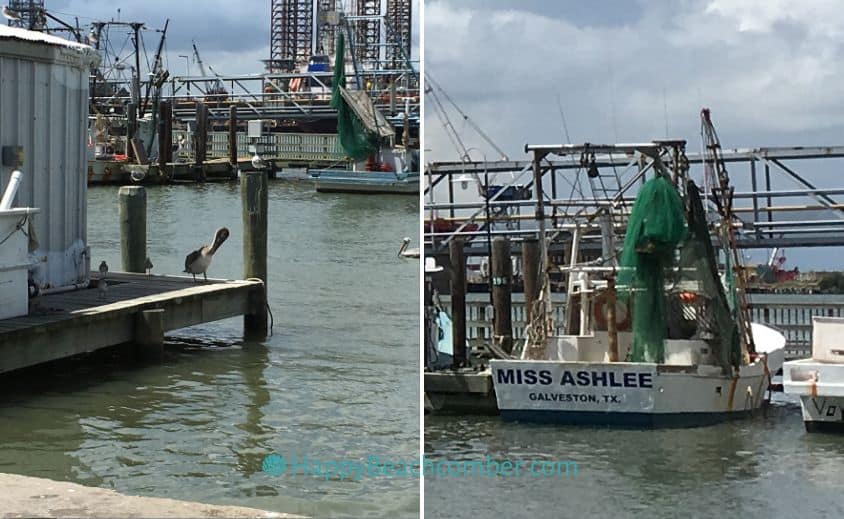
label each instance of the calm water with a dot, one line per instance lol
(763, 467)
(338, 379)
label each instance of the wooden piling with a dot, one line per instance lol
(254, 200)
(131, 129)
(612, 326)
(233, 135)
(457, 258)
(149, 334)
(502, 288)
(165, 134)
(530, 274)
(132, 211)
(201, 141)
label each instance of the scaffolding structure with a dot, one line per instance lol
(326, 31)
(368, 31)
(399, 24)
(31, 14)
(291, 33)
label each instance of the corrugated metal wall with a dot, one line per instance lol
(44, 108)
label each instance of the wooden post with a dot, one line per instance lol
(530, 274)
(132, 210)
(612, 326)
(457, 259)
(502, 287)
(149, 334)
(233, 135)
(201, 142)
(131, 129)
(253, 195)
(165, 134)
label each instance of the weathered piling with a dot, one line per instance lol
(149, 334)
(233, 135)
(457, 257)
(165, 133)
(530, 274)
(253, 195)
(612, 326)
(502, 288)
(201, 141)
(132, 211)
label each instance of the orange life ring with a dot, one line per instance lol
(599, 313)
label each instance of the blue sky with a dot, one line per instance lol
(627, 70)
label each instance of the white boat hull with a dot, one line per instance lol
(625, 394)
(821, 389)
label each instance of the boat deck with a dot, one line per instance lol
(66, 324)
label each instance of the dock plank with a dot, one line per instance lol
(68, 323)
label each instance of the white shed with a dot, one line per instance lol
(43, 119)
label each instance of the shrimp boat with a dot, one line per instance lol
(380, 165)
(819, 380)
(659, 337)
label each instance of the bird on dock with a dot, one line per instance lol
(103, 269)
(102, 286)
(258, 162)
(10, 14)
(198, 261)
(148, 266)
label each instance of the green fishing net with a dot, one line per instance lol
(655, 227)
(355, 140)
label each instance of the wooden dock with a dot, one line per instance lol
(69, 323)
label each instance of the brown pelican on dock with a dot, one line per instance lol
(198, 261)
(103, 269)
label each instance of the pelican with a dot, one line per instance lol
(148, 266)
(404, 252)
(198, 261)
(11, 14)
(103, 269)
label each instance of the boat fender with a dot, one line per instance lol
(622, 315)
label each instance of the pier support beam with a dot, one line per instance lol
(132, 210)
(233, 136)
(201, 142)
(502, 287)
(149, 334)
(165, 134)
(457, 257)
(530, 274)
(253, 195)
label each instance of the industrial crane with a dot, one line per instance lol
(217, 86)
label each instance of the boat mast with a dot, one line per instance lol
(723, 195)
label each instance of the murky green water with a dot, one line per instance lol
(763, 467)
(338, 379)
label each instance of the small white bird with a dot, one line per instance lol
(258, 162)
(148, 266)
(103, 269)
(11, 14)
(198, 261)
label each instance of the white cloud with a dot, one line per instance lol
(766, 68)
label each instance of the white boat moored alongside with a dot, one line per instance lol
(819, 381)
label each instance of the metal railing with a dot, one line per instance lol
(306, 147)
(791, 314)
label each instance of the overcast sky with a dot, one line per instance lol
(626, 69)
(232, 36)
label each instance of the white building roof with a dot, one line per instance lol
(16, 33)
